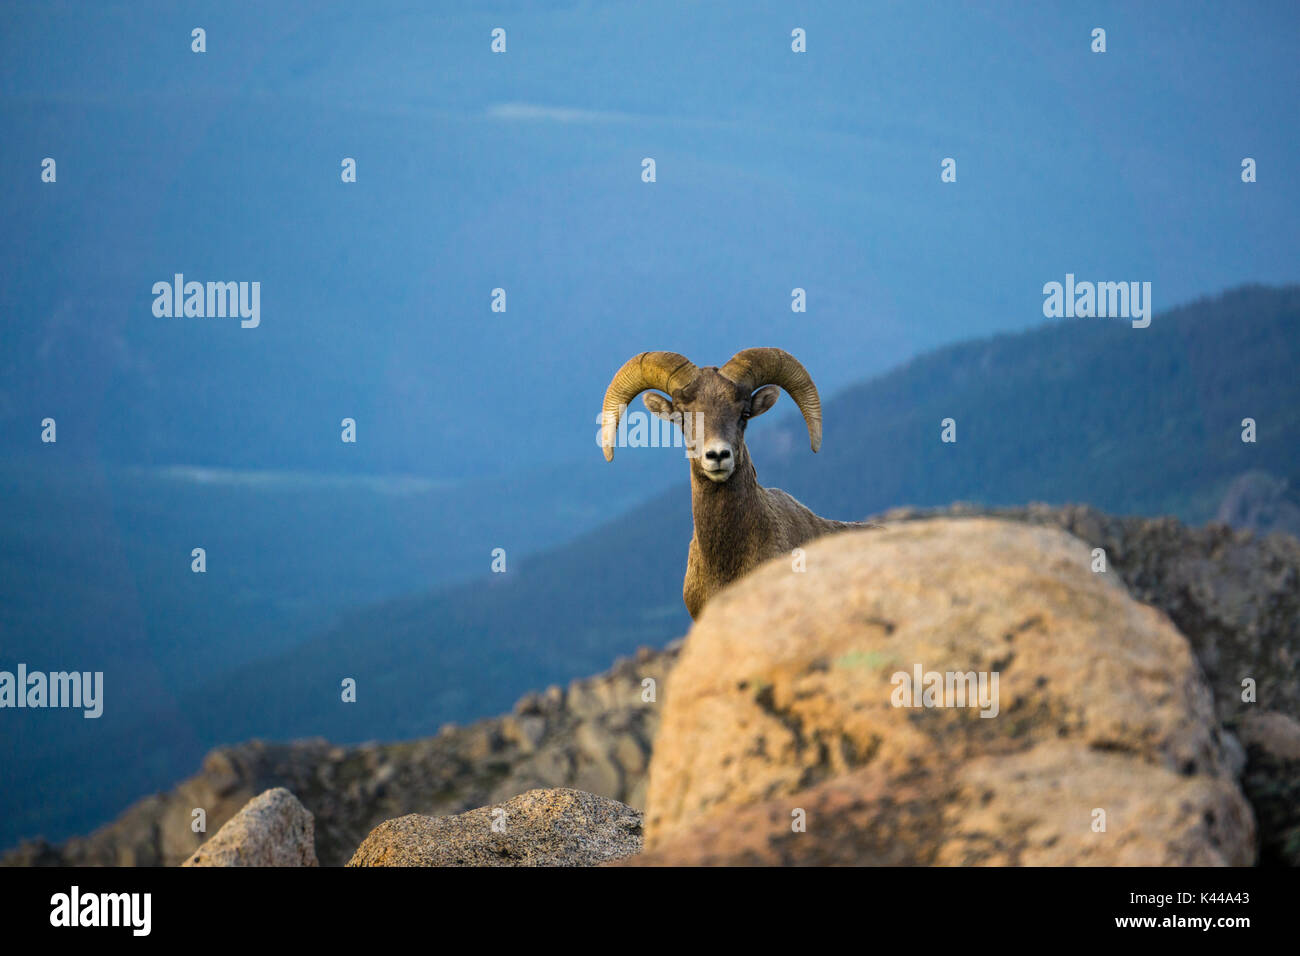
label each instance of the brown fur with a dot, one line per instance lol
(738, 523)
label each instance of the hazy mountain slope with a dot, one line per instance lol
(95, 576)
(417, 663)
(96, 560)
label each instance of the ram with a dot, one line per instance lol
(738, 523)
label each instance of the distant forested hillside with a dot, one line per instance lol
(1134, 421)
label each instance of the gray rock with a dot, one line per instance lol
(274, 829)
(557, 827)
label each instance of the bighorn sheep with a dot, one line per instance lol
(738, 523)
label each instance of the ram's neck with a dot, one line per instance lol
(731, 520)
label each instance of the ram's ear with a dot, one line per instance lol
(763, 399)
(658, 405)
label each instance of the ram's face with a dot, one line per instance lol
(713, 412)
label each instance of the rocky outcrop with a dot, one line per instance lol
(594, 735)
(1018, 707)
(274, 829)
(558, 827)
(1234, 595)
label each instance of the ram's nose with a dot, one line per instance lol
(717, 461)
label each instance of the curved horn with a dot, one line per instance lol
(754, 368)
(661, 370)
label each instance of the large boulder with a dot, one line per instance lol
(1095, 740)
(558, 827)
(1026, 810)
(274, 829)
